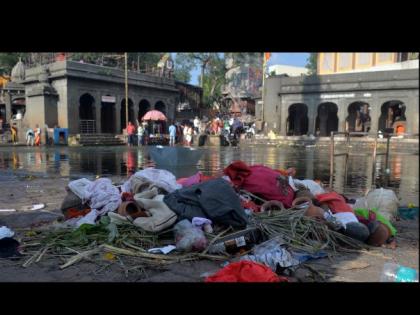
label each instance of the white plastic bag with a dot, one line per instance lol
(6, 232)
(189, 238)
(382, 199)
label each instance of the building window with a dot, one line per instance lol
(384, 58)
(327, 63)
(364, 60)
(345, 61)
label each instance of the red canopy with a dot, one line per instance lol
(154, 115)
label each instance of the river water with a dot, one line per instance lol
(351, 178)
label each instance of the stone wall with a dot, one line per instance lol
(374, 88)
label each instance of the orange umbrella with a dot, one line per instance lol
(154, 115)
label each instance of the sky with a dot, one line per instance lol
(288, 59)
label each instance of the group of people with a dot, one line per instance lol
(141, 134)
(181, 133)
(33, 137)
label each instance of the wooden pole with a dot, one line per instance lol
(126, 90)
(263, 92)
(331, 159)
(374, 161)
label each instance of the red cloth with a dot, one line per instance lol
(249, 204)
(335, 202)
(127, 196)
(131, 129)
(259, 180)
(237, 172)
(245, 271)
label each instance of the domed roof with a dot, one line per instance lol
(18, 72)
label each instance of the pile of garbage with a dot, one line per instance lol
(260, 219)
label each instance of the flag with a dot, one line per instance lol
(267, 56)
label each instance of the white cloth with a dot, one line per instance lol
(313, 186)
(345, 217)
(78, 187)
(126, 186)
(103, 196)
(89, 218)
(6, 232)
(160, 178)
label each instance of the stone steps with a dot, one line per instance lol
(97, 140)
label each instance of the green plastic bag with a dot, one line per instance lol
(365, 213)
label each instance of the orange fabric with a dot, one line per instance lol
(400, 129)
(37, 139)
(74, 213)
(335, 202)
(267, 56)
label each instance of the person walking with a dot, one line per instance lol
(130, 132)
(140, 135)
(172, 134)
(30, 135)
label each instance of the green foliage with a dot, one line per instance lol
(312, 63)
(8, 60)
(183, 68)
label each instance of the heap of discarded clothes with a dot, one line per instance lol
(198, 206)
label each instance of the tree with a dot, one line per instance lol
(212, 75)
(183, 68)
(8, 61)
(312, 63)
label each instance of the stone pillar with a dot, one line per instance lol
(375, 113)
(412, 113)
(284, 113)
(8, 101)
(136, 109)
(118, 100)
(312, 112)
(342, 114)
(98, 106)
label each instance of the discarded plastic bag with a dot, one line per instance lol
(162, 250)
(385, 201)
(6, 232)
(272, 254)
(189, 238)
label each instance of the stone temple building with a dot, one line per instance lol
(351, 92)
(87, 98)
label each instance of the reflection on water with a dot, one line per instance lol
(353, 177)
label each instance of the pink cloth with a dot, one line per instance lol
(194, 179)
(259, 180)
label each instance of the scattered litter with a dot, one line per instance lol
(164, 250)
(33, 207)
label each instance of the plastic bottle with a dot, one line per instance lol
(397, 273)
(235, 243)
